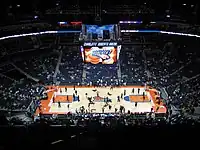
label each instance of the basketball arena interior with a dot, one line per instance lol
(79, 75)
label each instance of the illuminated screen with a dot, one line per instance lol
(104, 55)
(99, 29)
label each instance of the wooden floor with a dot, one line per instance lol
(145, 103)
(139, 98)
(64, 98)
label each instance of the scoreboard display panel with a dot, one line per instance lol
(104, 53)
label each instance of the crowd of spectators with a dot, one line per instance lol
(40, 67)
(132, 67)
(71, 67)
(23, 78)
(17, 98)
(176, 71)
(101, 75)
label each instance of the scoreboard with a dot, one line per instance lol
(100, 52)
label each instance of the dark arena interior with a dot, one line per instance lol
(99, 74)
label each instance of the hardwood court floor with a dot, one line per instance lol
(144, 105)
(139, 98)
(64, 99)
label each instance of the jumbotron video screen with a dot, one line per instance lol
(100, 54)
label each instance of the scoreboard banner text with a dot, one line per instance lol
(99, 44)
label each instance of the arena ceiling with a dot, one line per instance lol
(22, 10)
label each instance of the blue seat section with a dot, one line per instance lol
(102, 75)
(71, 68)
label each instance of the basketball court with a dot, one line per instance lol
(71, 99)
